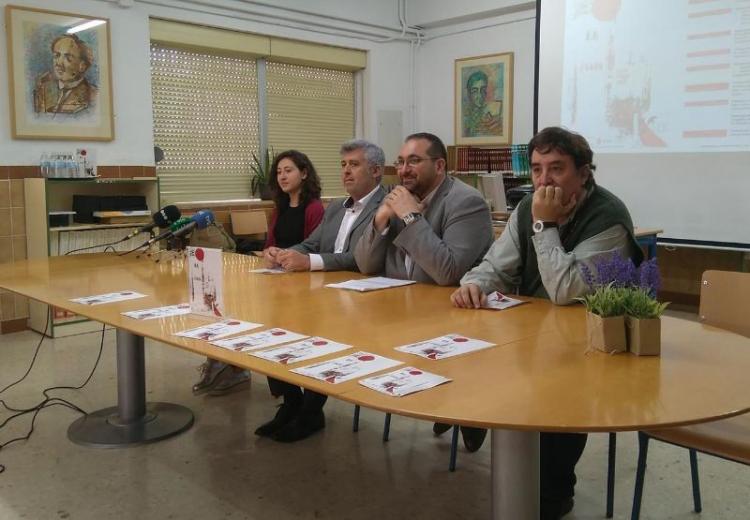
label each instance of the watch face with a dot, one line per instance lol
(538, 226)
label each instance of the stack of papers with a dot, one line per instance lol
(220, 329)
(348, 367)
(404, 381)
(370, 284)
(108, 298)
(159, 312)
(300, 351)
(445, 346)
(258, 340)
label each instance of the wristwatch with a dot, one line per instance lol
(541, 225)
(411, 217)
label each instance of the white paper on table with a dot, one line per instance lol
(266, 270)
(348, 367)
(445, 346)
(206, 281)
(258, 340)
(159, 312)
(113, 297)
(404, 381)
(498, 301)
(300, 351)
(220, 329)
(370, 284)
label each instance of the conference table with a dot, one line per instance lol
(538, 378)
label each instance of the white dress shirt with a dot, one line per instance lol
(352, 213)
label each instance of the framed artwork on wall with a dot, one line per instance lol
(484, 100)
(59, 67)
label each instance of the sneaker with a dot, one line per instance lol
(210, 371)
(232, 380)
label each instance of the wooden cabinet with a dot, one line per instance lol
(43, 196)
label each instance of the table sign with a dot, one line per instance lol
(205, 281)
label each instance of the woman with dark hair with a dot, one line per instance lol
(295, 186)
(296, 191)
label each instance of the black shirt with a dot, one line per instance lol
(290, 226)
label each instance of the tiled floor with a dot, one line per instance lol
(219, 469)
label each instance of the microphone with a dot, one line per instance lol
(200, 220)
(162, 218)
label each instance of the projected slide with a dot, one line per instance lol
(652, 76)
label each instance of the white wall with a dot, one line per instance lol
(435, 70)
(425, 105)
(438, 13)
(133, 143)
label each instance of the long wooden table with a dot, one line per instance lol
(538, 378)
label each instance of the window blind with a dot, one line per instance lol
(206, 121)
(311, 109)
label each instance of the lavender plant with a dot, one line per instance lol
(619, 287)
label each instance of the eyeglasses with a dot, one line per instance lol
(412, 161)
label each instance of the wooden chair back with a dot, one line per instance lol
(725, 301)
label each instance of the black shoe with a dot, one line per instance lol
(440, 428)
(283, 416)
(555, 509)
(301, 427)
(473, 437)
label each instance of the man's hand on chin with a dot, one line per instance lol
(547, 204)
(403, 202)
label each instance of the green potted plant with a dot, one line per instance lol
(643, 322)
(261, 174)
(605, 318)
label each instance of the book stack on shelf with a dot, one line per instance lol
(511, 161)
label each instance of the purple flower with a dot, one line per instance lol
(648, 277)
(617, 271)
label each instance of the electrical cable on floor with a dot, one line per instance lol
(49, 400)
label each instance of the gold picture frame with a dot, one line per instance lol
(60, 75)
(484, 100)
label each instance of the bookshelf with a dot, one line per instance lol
(471, 163)
(43, 196)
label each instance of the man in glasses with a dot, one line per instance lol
(432, 229)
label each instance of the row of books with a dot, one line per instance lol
(511, 159)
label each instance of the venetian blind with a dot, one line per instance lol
(206, 121)
(311, 110)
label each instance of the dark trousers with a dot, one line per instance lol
(308, 402)
(559, 454)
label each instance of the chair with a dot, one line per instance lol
(250, 228)
(725, 297)
(387, 430)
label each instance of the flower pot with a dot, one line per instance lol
(644, 336)
(606, 334)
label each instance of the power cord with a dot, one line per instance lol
(49, 400)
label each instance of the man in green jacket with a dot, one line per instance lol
(567, 223)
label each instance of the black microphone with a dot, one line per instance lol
(162, 218)
(200, 220)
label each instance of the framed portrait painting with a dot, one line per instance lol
(484, 100)
(60, 75)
